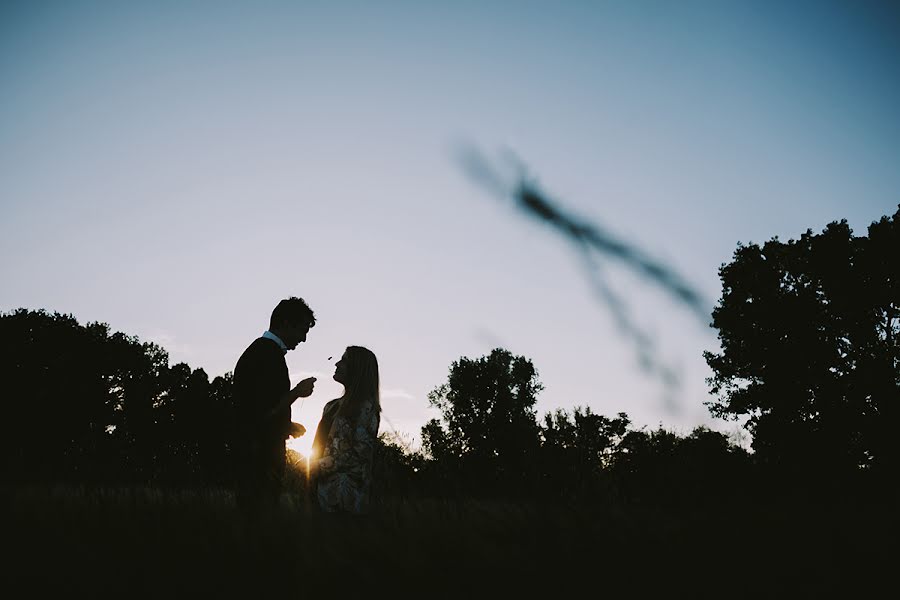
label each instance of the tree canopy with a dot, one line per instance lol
(84, 403)
(810, 347)
(488, 421)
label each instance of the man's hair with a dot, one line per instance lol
(292, 311)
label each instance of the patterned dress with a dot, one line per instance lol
(345, 485)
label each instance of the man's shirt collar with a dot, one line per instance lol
(271, 336)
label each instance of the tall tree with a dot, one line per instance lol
(488, 424)
(809, 346)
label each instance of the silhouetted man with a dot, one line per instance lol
(263, 398)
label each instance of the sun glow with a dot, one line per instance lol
(302, 444)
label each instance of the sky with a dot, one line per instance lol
(174, 169)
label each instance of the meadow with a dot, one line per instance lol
(163, 543)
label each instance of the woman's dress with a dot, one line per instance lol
(345, 484)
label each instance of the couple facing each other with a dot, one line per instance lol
(344, 443)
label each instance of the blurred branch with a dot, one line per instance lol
(508, 179)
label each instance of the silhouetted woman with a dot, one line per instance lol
(344, 446)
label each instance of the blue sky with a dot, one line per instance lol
(175, 168)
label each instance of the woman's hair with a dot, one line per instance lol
(361, 383)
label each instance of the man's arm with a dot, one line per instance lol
(260, 402)
(301, 390)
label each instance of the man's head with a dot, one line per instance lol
(291, 321)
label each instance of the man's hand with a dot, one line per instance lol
(297, 430)
(304, 388)
(301, 390)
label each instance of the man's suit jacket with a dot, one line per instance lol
(260, 380)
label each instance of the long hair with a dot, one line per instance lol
(361, 384)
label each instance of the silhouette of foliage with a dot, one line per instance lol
(87, 404)
(809, 349)
(661, 467)
(488, 425)
(488, 442)
(578, 448)
(91, 406)
(397, 468)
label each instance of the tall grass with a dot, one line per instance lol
(146, 542)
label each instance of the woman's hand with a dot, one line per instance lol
(326, 462)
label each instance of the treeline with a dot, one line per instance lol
(809, 331)
(810, 358)
(84, 404)
(490, 442)
(91, 406)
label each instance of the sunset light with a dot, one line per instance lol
(303, 444)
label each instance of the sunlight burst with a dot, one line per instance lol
(302, 444)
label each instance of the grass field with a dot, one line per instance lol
(144, 542)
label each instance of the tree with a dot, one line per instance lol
(578, 448)
(809, 347)
(86, 404)
(58, 404)
(660, 466)
(396, 467)
(488, 425)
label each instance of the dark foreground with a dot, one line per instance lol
(142, 542)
